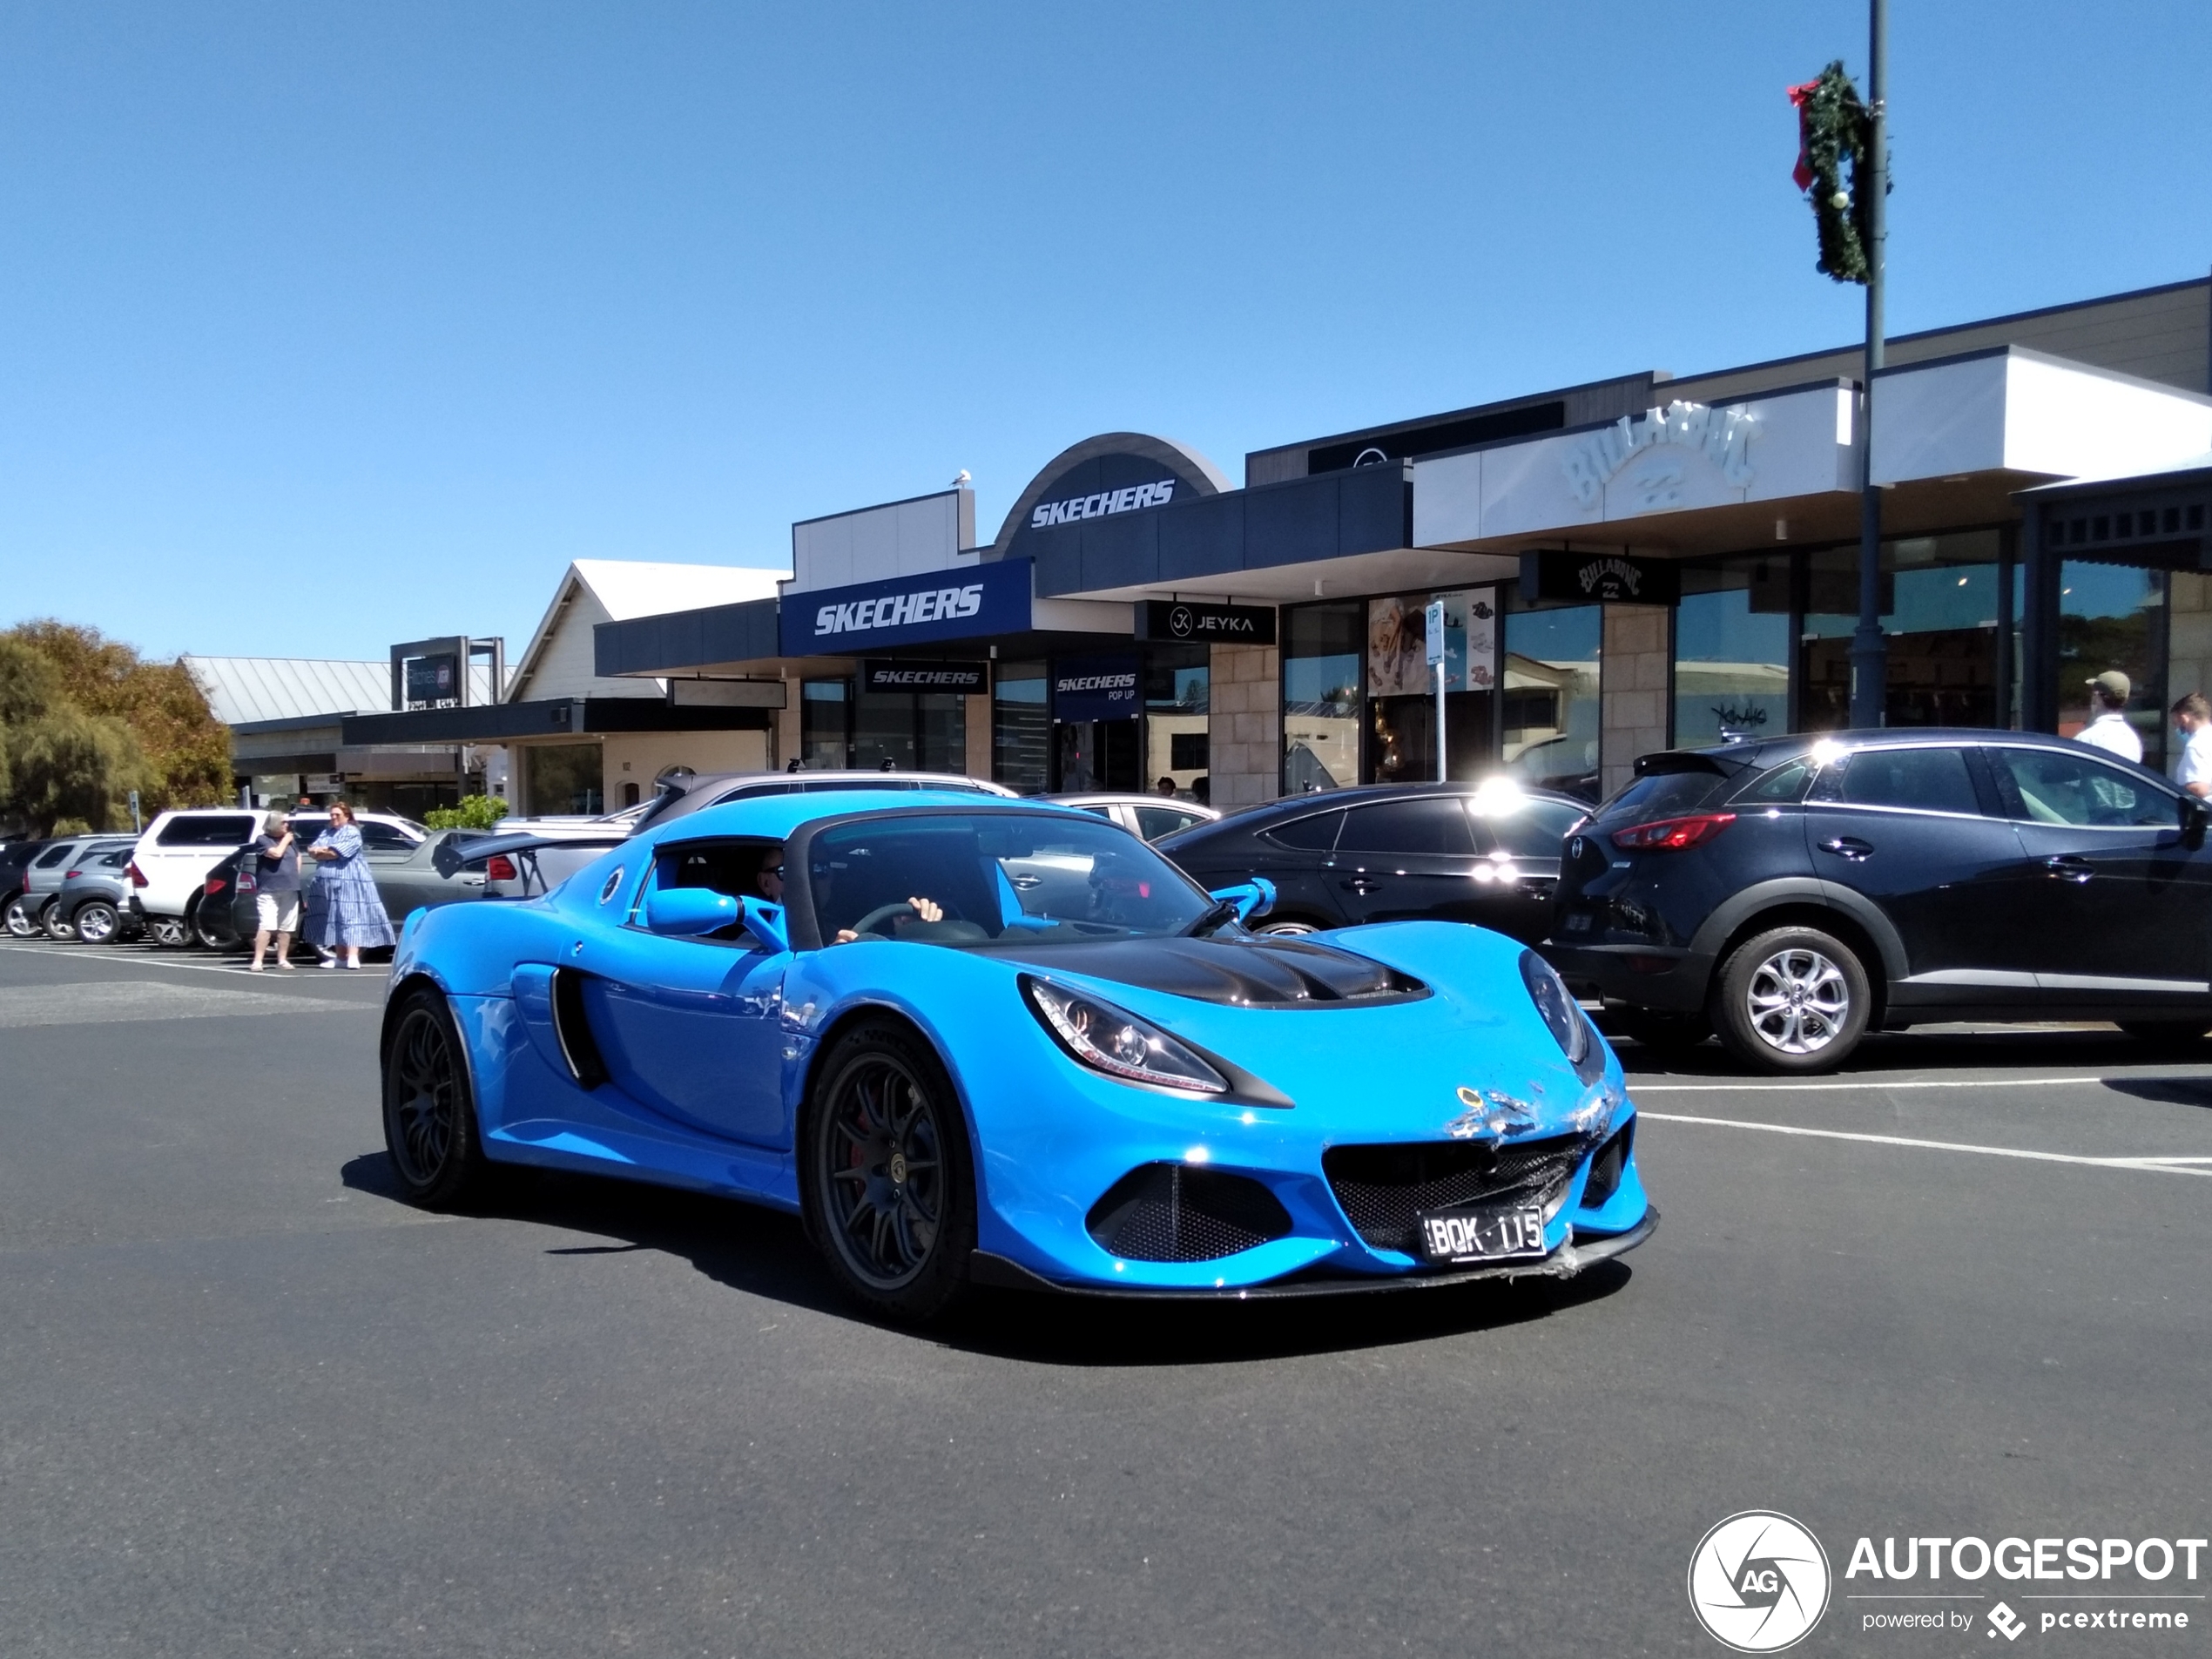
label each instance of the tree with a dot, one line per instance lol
(184, 752)
(57, 761)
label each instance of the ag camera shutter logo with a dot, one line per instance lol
(1758, 1582)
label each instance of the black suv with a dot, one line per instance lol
(1787, 894)
(1486, 853)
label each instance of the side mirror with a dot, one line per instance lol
(2196, 816)
(685, 912)
(1253, 899)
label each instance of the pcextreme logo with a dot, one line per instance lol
(1758, 1582)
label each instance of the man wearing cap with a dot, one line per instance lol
(2110, 730)
(2193, 719)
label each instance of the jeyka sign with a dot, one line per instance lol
(1184, 622)
(1607, 579)
(881, 674)
(964, 603)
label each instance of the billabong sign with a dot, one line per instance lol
(1125, 499)
(1724, 437)
(962, 603)
(1599, 579)
(882, 674)
(1181, 621)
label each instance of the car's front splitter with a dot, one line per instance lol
(1000, 1272)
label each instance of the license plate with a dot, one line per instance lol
(1460, 1237)
(1579, 922)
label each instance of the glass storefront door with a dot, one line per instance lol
(908, 731)
(1732, 651)
(1321, 649)
(1552, 712)
(2114, 616)
(1176, 686)
(1022, 728)
(1940, 615)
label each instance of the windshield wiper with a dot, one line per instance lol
(1210, 922)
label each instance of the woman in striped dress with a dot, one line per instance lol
(351, 912)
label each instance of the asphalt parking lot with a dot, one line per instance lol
(249, 1404)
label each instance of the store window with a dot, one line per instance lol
(1552, 714)
(1732, 651)
(1321, 658)
(566, 777)
(2114, 616)
(1400, 723)
(826, 724)
(1022, 728)
(1940, 616)
(1176, 682)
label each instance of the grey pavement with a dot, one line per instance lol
(250, 1404)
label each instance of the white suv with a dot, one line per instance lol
(173, 857)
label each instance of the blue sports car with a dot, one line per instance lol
(1008, 1044)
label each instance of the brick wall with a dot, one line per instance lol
(1244, 733)
(1637, 647)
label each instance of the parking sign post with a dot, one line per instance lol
(1436, 644)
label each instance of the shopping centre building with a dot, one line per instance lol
(1624, 565)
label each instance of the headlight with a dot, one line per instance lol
(1576, 1041)
(1106, 1039)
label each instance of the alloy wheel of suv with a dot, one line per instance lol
(1792, 1000)
(96, 921)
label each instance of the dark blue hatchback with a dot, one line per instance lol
(1787, 895)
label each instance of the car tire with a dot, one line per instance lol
(430, 1129)
(1663, 1033)
(59, 929)
(168, 932)
(97, 922)
(887, 1185)
(210, 938)
(19, 918)
(1792, 1000)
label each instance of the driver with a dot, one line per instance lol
(769, 880)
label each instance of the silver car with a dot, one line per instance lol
(25, 914)
(1146, 817)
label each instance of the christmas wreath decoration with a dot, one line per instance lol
(1836, 128)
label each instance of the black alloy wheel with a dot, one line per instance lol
(1792, 1000)
(889, 1196)
(97, 921)
(429, 1110)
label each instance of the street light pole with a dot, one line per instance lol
(1869, 652)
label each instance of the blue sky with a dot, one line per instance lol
(323, 326)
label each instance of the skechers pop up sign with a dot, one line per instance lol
(964, 603)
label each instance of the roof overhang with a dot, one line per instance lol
(554, 719)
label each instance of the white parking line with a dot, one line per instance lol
(2158, 1165)
(98, 953)
(1796, 1087)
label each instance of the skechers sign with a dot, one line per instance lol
(1126, 500)
(912, 609)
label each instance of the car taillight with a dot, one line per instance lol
(499, 868)
(137, 876)
(1672, 834)
(247, 883)
(215, 885)
(72, 875)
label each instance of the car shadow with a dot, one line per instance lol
(766, 1253)
(2166, 1091)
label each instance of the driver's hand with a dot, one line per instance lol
(845, 935)
(927, 909)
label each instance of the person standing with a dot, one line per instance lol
(2193, 719)
(353, 912)
(276, 891)
(2109, 731)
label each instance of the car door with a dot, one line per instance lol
(690, 1027)
(2113, 894)
(390, 853)
(1412, 857)
(1905, 828)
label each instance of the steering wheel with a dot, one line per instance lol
(882, 914)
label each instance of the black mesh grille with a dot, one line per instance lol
(1171, 1212)
(1386, 1190)
(1609, 1166)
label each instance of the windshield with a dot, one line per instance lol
(968, 879)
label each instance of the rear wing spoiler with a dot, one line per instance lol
(462, 848)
